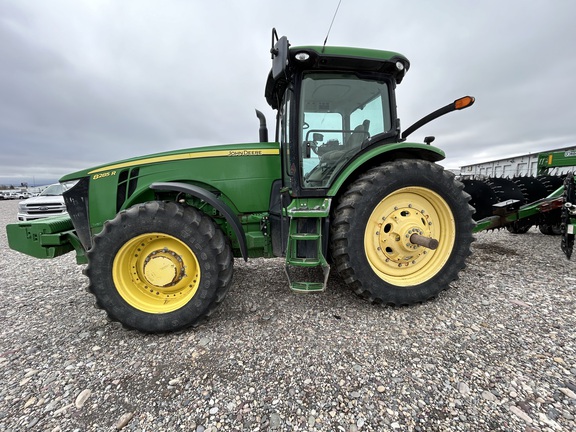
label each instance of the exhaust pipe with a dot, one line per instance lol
(263, 131)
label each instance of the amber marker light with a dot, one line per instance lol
(463, 102)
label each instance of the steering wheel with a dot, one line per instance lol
(327, 147)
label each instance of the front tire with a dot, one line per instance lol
(375, 219)
(159, 267)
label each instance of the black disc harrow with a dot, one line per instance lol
(487, 192)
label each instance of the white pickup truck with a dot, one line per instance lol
(49, 202)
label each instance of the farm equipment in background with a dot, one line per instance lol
(340, 187)
(518, 203)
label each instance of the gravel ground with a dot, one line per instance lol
(494, 353)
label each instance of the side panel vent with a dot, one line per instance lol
(127, 183)
(121, 191)
(133, 182)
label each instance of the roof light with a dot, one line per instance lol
(399, 65)
(302, 56)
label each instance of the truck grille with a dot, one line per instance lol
(42, 209)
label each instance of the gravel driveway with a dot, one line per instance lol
(494, 353)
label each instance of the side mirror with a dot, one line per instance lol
(279, 51)
(317, 137)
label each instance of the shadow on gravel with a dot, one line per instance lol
(495, 249)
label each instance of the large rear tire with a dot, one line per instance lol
(159, 267)
(375, 219)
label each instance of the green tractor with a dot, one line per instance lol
(339, 187)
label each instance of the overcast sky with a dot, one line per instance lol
(85, 82)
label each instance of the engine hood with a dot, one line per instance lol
(227, 150)
(48, 199)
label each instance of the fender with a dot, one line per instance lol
(214, 201)
(385, 152)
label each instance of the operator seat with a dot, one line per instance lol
(356, 138)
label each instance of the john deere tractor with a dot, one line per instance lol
(338, 188)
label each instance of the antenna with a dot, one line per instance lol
(333, 18)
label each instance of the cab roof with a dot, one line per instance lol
(336, 58)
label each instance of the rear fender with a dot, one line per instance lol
(385, 153)
(214, 201)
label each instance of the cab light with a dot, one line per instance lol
(399, 65)
(302, 56)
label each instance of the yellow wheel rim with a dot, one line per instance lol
(156, 273)
(407, 211)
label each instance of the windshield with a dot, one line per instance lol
(339, 112)
(53, 190)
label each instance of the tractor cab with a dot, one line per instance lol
(333, 104)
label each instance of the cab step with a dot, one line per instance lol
(304, 251)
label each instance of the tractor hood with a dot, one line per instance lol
(228, 150)
(240, 175)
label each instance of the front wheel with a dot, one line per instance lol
(159, 267)
(375, 222)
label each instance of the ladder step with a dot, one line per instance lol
(307, 286)
(307, 279)
(305, 213)
(305, 262)
(305, 236)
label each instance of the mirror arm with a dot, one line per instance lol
(458, 104)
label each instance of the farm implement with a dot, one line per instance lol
(518, 203)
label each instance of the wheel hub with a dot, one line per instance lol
(395, 232)
(163, 268)
(156, 273)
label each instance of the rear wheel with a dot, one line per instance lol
(374, 223)
(159, 267)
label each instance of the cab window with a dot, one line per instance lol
(339, 112)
